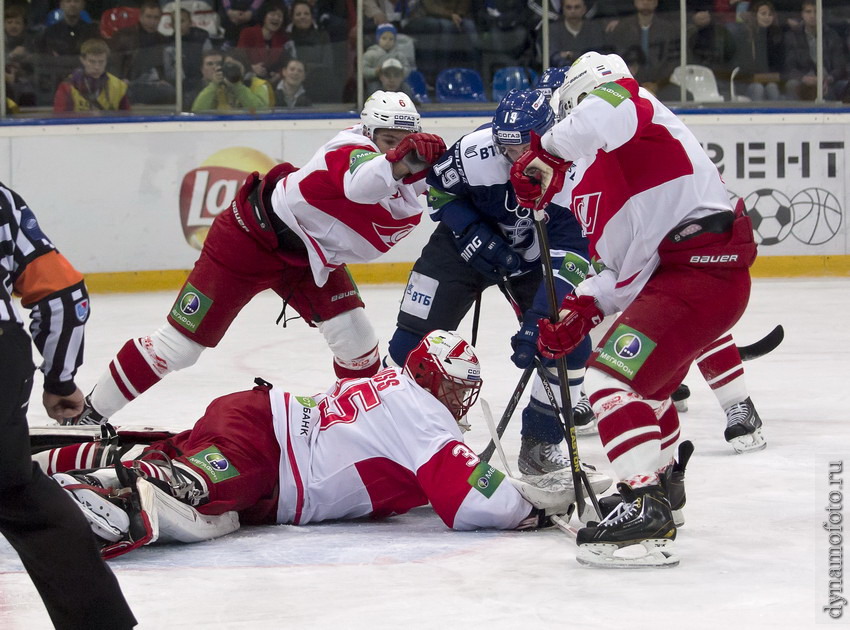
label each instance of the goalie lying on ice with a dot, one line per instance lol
(367, 447)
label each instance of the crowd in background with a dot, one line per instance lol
(103, 55)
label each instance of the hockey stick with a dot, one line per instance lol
(566, 413)
(487, 453)
(763, 346)
(476, 315)
(491, 426)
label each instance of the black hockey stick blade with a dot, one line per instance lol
(763, 346)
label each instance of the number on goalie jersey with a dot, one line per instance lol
(366, 447)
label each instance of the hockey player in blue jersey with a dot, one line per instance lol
(484, 239)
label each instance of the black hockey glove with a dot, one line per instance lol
(487, 252)
(524, 343)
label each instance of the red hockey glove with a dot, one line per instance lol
(537, 175)
(418, 151)
(578, 315)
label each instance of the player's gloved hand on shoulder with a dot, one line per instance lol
(524, 343)
(487, 252)
(578, 315)
(418, 151)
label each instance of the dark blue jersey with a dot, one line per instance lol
(471, 185)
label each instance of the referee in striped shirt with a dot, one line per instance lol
(37, 517)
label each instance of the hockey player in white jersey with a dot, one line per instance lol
(292, 232)
(673, 259)
(367, 447)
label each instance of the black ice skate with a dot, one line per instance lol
(643, 522)
(743, 427)
(680, 398)
(539, 458)
(87, 416)
(672, 481)
(583, 417)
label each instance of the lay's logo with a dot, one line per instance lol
(209, 189)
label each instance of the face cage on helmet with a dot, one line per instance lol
(457, 394)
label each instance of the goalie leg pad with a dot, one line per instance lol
(174, 521)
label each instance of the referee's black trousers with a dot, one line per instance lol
(40, 520)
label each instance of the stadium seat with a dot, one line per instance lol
(510, 78)
(116, 18)
(699, 81)
(416, 81)
(460, 85)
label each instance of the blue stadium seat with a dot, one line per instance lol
(510, 78)
(416, 82)
(460, 85)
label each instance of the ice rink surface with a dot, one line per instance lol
(753, 551)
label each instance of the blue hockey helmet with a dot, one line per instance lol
(551, 80)
(520, 113)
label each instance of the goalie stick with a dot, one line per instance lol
(763, 346)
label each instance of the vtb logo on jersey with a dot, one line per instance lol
(585, 208)
(209, 189)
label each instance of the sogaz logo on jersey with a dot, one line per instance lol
(208, 190)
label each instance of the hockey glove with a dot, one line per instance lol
(487, 252)
(418, 151)
(578, 315)
(537, 175)
(524, 343)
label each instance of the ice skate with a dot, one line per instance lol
(680, 398)
(87, 416)
(583, 417)
(743, 427)
(539, 458)
(106, 519)
(638, 533)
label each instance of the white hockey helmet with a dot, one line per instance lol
(445, 365)
(586, 74)
(389, 110)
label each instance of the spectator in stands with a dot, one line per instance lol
(377, 12)
(378, 53)
(800, 71)
(138, 57)
(391, 78)
(710, 43)
(64, 38)
(759, 52)
(233, 87)
(574, 35)
(195, 42)
(211, 61)
(20, 51)
(657, 38)
(264, 42)
(290, 90)
(91, 88)
(236, 15)
(445, 35)
(312, 45)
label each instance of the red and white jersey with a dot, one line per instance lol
(382, 446)
(345, 204)
(638, 172)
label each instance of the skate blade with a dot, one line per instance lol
(653, 553)
(97, 510)
(587, 429)
(749, 443)
(599, 482)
